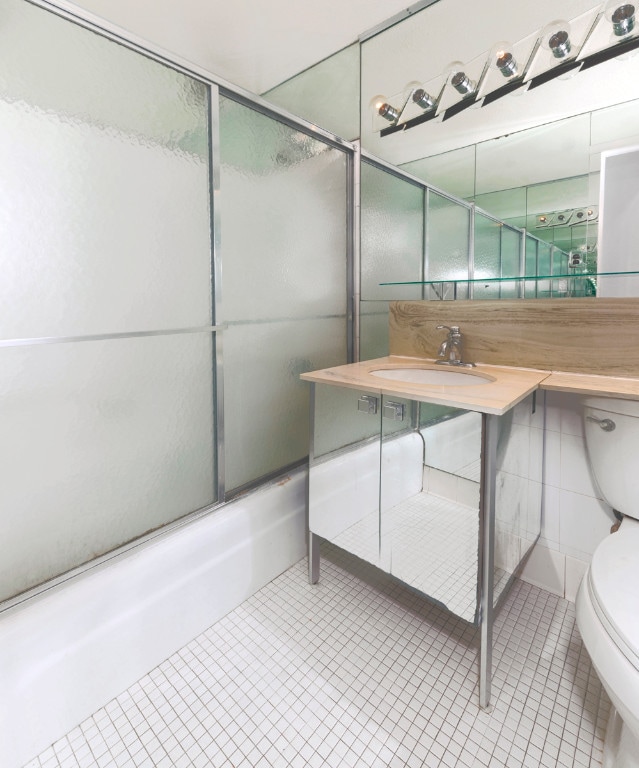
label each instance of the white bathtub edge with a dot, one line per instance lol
(67, 653)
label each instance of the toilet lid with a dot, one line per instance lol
(614, 582)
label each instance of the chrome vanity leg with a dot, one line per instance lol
(313, 540)
(313, 558)
(490, 433)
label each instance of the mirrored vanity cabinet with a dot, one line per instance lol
(443, 498)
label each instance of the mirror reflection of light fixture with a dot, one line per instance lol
(575, 259)
(621, 16)
(563, 217)
(384, 109)
(556, 38)
(460, 80)
(502, 59)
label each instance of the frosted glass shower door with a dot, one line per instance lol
(106, 345)
(284, 246)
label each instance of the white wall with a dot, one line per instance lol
(75, 647)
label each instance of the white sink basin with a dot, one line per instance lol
(439, 376)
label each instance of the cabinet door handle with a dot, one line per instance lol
(608, 425)
(367, 404)
(394, 411)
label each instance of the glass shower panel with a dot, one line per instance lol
(265, 403)
(104, 190)
(447, 241)
(105, 227)
(101, 442)
(374, 317)
(510, 262)
(487, 256)
(392, 235)
(284, 250)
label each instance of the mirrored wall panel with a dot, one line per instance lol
(344, 470)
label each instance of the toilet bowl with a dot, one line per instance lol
(607, 603)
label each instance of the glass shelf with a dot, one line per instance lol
(562, 286)
(517, 278)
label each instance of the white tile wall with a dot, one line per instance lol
(575, 518)
(584, 522)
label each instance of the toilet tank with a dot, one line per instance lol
(613, 451)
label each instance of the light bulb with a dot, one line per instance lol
(420, 96)
(621, 16)
(459, 79)
(383, 108)
(556, 38)
(502, 59)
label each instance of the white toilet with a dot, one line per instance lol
(608, 599)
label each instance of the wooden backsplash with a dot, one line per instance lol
(599, 336)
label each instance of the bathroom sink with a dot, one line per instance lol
(441, 377)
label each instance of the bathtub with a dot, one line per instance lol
(71, 649)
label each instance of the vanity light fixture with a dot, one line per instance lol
(565, 60)
(384, 109)
(462, 83)
(556, 39)
(459, 79)
(622, 17)
(416, 93)
(423, 99)
(502, 59)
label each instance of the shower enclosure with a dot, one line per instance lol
(139, 383)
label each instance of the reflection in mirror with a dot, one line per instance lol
(539, 180)
(430, 523)
(518, 487)
(398, 483)
(531, 158)
(344, 470)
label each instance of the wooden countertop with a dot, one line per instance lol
(507, 385)
(583, 384)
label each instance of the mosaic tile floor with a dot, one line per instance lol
(357, 672)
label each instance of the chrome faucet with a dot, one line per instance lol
(451, 348)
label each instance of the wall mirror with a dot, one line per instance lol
(531, 159)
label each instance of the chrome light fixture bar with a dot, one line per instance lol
(566, 43)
